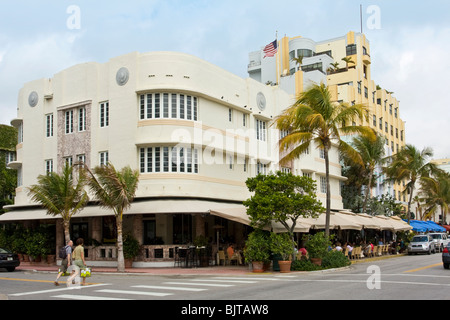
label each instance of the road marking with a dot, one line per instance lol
(80, 297)
(423, 268)
(169, 288)
(245, 278)
(34, 280)
(56, 290)
(232, 281)
(202, 284)
(145, 293)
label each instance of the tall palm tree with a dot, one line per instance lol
(372, 153)
(435, 192)
(61, 195)
(410, 164)
(315, 118)
(115, 190)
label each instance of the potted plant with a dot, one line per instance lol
(257, 249)
(131, 249)
(282, 244)
(317, 247)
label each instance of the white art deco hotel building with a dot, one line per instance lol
(194, 131)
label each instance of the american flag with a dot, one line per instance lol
(271, 49)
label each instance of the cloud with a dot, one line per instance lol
(29, 59)
(414, 63)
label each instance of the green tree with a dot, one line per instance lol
(435, 193)
(115, 190)
(281, 197)
(315, 118)
(372, 154)
(61, 195)
(410, 164)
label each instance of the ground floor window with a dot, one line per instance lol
(182, 228)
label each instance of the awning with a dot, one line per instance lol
(237, 214)
(337, 221)
(138, 207)
(366, 221)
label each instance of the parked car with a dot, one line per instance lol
(440, 240)
(8, 260)
(421, 244)
(446, 256)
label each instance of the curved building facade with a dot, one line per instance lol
(194, 131)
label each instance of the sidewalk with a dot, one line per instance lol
(212, 270)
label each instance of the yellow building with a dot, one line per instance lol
(344, 64)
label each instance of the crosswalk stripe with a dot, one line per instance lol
(81, 297)
(169, 288)
(145, 293)
(245, 278)
(202, 284)
(220, 280)
(56, 290)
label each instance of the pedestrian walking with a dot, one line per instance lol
(78, 261)
(66, 255)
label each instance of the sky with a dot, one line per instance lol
(409, 43)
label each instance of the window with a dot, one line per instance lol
(104, 158)
(244, 120)
(351, 49)
(386, 126)
(359, 87)
(261, 168)
(68, 161)
(374, 120)
(104, 114)
(381, 123)
(323, 184)
(304, 53)
(230, 115)
(69, 122)
(82, 119)
(260, 130)
(322, 153)
(311, 67)
(366, 92)
(49, 125)
(81, 158)
(165, 105)
(48, 166)
(168, 159)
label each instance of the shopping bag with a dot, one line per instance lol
(85, 273)
(64, 274)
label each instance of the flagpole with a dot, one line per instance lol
(278, 57)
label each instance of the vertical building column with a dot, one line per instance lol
(138, 228)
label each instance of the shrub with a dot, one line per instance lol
(335, 259)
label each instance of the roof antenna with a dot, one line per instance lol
(361, 18)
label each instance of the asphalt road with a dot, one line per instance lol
(418, 277)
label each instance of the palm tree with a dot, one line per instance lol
(372, 153)
(435, 193)
(298, 61)
(410, 164)
(115, 190)
(61, 195)
(348, 60)
(315, 118)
